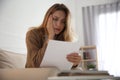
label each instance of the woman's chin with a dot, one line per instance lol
(56, 33)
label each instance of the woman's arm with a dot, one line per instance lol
(35, 49)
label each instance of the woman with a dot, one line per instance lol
(55, 26)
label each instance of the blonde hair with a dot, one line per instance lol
(68, 33)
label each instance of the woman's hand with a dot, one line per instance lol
(50, 28)
(74, 57)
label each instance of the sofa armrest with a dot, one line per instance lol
(28, 73)
(10, 59)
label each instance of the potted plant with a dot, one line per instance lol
(91, 66)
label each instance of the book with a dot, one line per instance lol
(83, 73)
(82, 78)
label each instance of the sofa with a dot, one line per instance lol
(12, 67)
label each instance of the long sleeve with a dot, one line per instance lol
(36, 46)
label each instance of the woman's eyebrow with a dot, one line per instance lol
(58, 17)
(55, 17)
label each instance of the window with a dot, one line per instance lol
(102, 30)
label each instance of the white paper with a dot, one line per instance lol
(56, 52)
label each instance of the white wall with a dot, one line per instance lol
(16, 16)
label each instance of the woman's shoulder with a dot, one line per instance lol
(31, 30)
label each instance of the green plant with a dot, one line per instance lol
(91, 66)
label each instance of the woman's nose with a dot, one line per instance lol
(58, 23)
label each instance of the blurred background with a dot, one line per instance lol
(16, 16)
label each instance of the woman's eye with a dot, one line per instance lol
(55, 19)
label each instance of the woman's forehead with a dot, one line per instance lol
(59, 14)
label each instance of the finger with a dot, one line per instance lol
(73, 54)
(49, 23)
(74, 59)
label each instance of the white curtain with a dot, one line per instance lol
(102, 28)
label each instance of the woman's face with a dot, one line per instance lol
(58, 21)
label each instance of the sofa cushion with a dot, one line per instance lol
(10, 59)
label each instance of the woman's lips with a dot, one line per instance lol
(57, 29)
